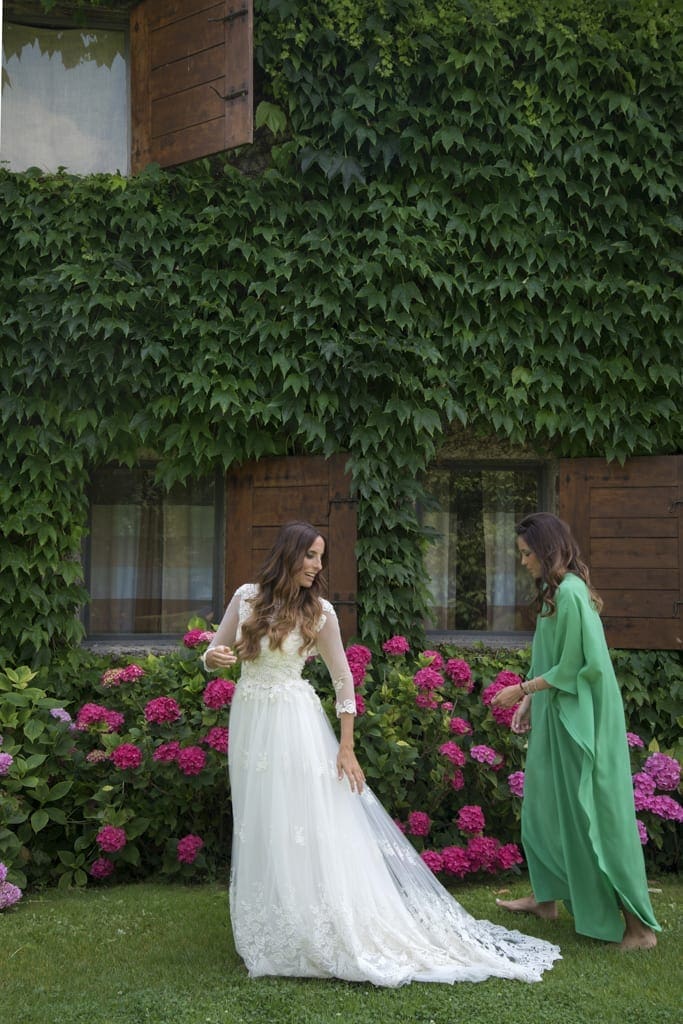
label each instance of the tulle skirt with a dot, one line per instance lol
(323, 884)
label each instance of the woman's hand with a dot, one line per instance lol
(521, 721)
(508, 697)
(347, 765)
(220, 656)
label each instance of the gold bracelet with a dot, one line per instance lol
(521, 686)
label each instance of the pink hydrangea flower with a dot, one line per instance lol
(360, 704)
(435, 659)
(460, 726)
(447, 705)
(101, 868)
(96, 715)
(433, 860)
(452, 751)
(61, 714)
(425, 700)
(642, 832)
(482, 852)
(110, 839)
(665, 770)
(359, 658)
(516, 783)
(195, 637)
(111, 677)
(644, 783)
(126, 755)
(3, 872)
(188, 848)
(486, 755)
(503, 716)
(458, 780)
(471, 818)
(455, 861)
(217, 738)
(191, 760)
(460, 673)
(634, 740)
(507, 856)
(162, 710)
(664, 807)
(218, 693)
(396, 645)
(130, 673)
(419, 823)
(428, 679)
(167, 752)
(6, 762)
(96, 756)
(9, 895)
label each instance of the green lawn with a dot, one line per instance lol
(152, 954)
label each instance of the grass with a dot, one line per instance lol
(152, 954)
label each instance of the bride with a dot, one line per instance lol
(323, 884)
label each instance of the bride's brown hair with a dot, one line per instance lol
(551, 540)
(281, 605)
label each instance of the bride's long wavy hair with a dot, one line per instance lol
(281, 605)
(551, 540)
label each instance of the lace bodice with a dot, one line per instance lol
(276, 670)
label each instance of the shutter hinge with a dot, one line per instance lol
(232, 15)
(231, 95)
(674, 504)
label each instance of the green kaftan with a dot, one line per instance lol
(578, 817)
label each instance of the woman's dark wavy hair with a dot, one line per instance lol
(281, 605)
(552, 542)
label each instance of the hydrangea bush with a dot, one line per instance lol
(124, 775)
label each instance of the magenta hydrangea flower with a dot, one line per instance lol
(516, 783)
(460, 726)
(419, 823)
(644, 783)
(501, 715)
(665, 770)
(217, 738)
(433, 860)
(126, 755)
(191, 760)
(101, 868)
(359, 658)
(458, 780)
(471, 818)
(664, 807)
(455, 860)
(218, 693)
(435, 659)
(447, 705)
(188, 848)
(634, 740)
(428, 679)
(162, 710)
(507, 856)
(6, 762)
(3, 872)
(360, 704)
(460, 673)
(452, 751)
(96, 715)
(425, 700)
(110, 838)
(400, 825)
(167, 752)
(130, 673)
(396, 645)
(9, 895)
(195, 637)
(642, 832)
(486, 755)
(482, 852)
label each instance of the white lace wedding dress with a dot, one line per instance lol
(323, 884)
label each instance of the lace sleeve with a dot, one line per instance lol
(227, 631)
(332, 652)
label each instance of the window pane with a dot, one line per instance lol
(476, 581)
(151, 565)
(64, 99)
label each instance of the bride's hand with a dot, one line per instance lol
(347, 765)
(220, 656)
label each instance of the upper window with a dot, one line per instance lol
(475, 578)
(64, 99)
(153, 556)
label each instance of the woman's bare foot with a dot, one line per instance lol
(528, 905)
(637, 934)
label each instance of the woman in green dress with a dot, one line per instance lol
(578, 816)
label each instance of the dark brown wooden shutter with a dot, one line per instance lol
(628, 521)
(191, 79)
(261, 496)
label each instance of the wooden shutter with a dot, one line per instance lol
(628, 521)
(191, 79)
(262, 495)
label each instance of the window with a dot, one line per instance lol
(153, 556)
(64, 98)
(477, 583)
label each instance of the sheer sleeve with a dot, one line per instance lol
(333, 654)
(227, 631)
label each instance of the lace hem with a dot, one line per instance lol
(345, 707)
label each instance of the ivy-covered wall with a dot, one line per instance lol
(454, 213)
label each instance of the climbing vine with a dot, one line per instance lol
(463, 213)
